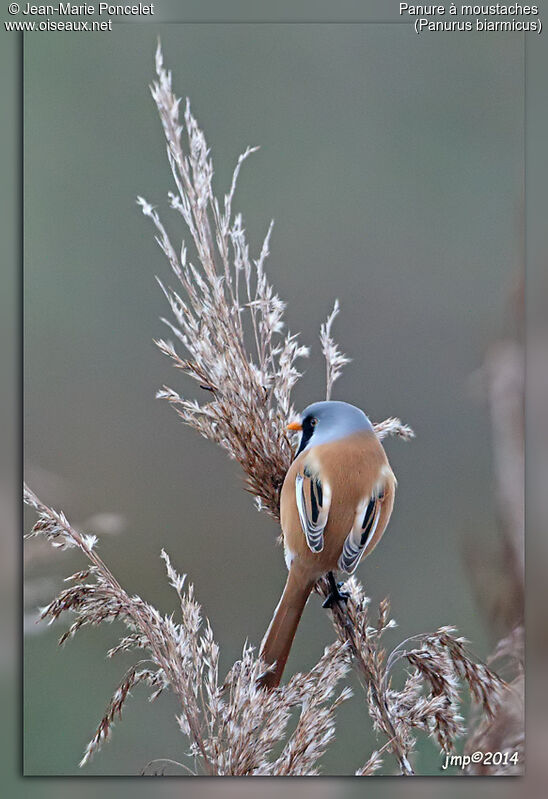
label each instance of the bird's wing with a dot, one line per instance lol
(363, 530)
(313, 496)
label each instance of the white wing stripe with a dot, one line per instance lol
(313, 531)
(353, 549)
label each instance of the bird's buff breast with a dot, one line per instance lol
(352, 467)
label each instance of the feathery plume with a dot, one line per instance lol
(232, 726)
(227, 316)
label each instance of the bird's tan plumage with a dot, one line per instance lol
(353, 468)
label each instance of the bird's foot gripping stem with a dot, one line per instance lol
(336, 596)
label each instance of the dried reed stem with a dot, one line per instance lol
(228, 317)
(504, 373)
(232, 726)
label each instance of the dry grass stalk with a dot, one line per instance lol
(504, 731)
(335, 360)
(505, 377)
(228, 317)
(232, 726)
(430, 698)
(504, 374)
(249, 400)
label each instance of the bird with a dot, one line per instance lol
(336, 501)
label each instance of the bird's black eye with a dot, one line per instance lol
(313, 421)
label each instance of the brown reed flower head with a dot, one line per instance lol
(231, 726)
(228, 317)
(503, 729)
(431, 695)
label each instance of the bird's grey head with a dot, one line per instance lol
(327, 421)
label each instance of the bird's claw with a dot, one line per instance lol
(336, 596)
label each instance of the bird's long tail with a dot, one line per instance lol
(281, 631)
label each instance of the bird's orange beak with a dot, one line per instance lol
(295, 426)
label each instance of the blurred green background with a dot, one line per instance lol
(394, 174)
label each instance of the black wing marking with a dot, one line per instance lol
(363, 530)
(313, 500)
